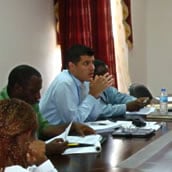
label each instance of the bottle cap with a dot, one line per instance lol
(163, 89)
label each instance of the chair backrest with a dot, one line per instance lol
(139, 90)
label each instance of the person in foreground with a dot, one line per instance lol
(74, 92)
(120, 102)
(19, 147)
(25, 82)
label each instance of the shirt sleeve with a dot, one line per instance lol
(113, 103)
(42, 122)
(15, 168)
(115, 97)
(46, 166)
(109, 110)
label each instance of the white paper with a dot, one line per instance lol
(89, 139)
(93, 139)
(63, 135)
(103, 126)
(46, 166)
(143, 111)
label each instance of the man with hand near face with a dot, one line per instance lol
(74, 93)
(114, 102)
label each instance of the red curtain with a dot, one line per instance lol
(87, 22)
(102, 34)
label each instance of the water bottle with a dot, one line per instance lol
(163, 102)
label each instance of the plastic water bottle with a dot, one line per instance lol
(163, 101)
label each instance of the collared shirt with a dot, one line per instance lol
(41, 121)
(46, 166)
(62, 103)
(113, 102)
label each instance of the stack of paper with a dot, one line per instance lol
(93, 140)
(143, 111)
(103, 126)
(64, 135)
(90, 143)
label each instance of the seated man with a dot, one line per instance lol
(111, 97)
(25, 82)
(18, 146)
(74, 92)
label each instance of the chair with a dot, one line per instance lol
(139, 90)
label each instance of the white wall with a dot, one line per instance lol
(150, 60)
(27, 35)
(137, 56)
(159, 44)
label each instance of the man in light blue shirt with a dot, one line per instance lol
(113, 102)
(65, 101)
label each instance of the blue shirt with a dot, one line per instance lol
(113, 102)
(62, 101)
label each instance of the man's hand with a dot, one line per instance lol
(137, 104)
(100, 83)
(56, 147)
(82, 129)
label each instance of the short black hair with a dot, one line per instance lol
(21, 74)
(100, 67)
(75, 52)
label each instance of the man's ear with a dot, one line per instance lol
(18, 88)
(71, 65)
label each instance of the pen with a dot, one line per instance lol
(77, 145)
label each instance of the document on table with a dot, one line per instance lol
(92, 140)
(64, 135)
(90, 143)
(103, 126)
(143, 111)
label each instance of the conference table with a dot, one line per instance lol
(114, 150)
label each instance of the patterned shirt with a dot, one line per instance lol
(41, 121)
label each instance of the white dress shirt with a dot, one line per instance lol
(47, 166)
